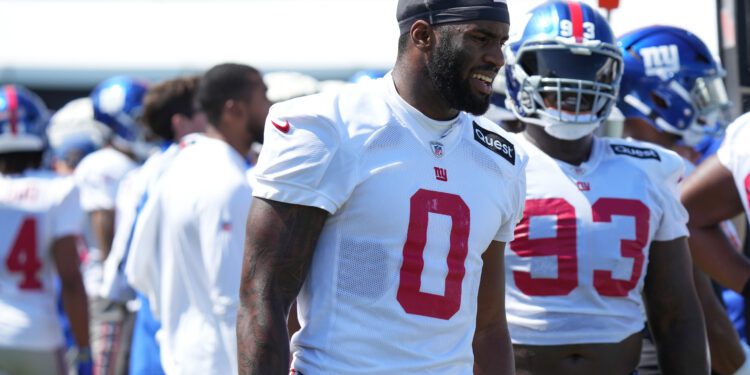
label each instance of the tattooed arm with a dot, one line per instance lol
(279, 246)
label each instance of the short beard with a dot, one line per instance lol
(445, 68)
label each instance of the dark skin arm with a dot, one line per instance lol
(279, 247)
(710, 197)
(726, 352)
(493, 352)
(673, 309)
(75, 303)
(103, 225)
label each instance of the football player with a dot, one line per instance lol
(169, 112)
(194, 222)
(40, 219)
(117, 105)
(603, 231)
(672, 95)
(398, 198)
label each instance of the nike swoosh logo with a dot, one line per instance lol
(282, 128)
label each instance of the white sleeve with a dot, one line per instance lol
(98, 190)
(68, 215)
(307, 165)
(143, 266)
(727, 151)
(517, 202)
(674, 219)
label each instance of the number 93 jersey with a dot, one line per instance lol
(35, 209)
(395, 275)
(576, 268)
(734, 154)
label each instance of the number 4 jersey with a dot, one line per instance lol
(414, 203)
(734, 154)
(35, 209)
(575, 270)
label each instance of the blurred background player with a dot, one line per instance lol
(40, 219)
(718, 190)
(603, 230)
(72, 134)
(672, 94)
(117, 105)
(170, 114)
(194, 223)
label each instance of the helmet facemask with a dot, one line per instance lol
(566, 88)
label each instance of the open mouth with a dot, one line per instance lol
(482, 82)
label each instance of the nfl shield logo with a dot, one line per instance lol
(437, 149)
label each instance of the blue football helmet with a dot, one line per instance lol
(23, 120)
(118, 105)
(563, 69)
(671, 81)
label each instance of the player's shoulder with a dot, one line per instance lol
(106, 160)
(51, 184)
(505, 147)
(738, 133)
(343, 112)
(655, 160)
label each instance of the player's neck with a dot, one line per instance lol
(572, 152)
(239, 144)
(421, 94)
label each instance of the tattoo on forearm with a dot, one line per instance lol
(278, 253)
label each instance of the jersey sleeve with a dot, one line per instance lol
(68, 214)
(666, 178)
(728, 153)
(304, 160)
(517, 200)
(98, 183)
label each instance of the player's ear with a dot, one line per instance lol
(422, 35)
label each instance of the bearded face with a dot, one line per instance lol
(450, 69)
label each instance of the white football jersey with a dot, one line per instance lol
(414, 203)
(98, 177)
(575, 270)
(36, 208)
(734, 154)
(195, 219)
(131, 196)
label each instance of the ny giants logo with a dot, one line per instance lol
(661, 61)
(441, 174)
(583, 186)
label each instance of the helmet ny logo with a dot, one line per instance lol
(661, 61)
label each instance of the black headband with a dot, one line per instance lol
(451, 11)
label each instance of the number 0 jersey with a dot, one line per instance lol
(734, 154)
(395, 274)
(575, 270)
(35, 209)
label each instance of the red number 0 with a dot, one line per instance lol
(747, 188)
(23, 258)
(564, 246)
(409, 295)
